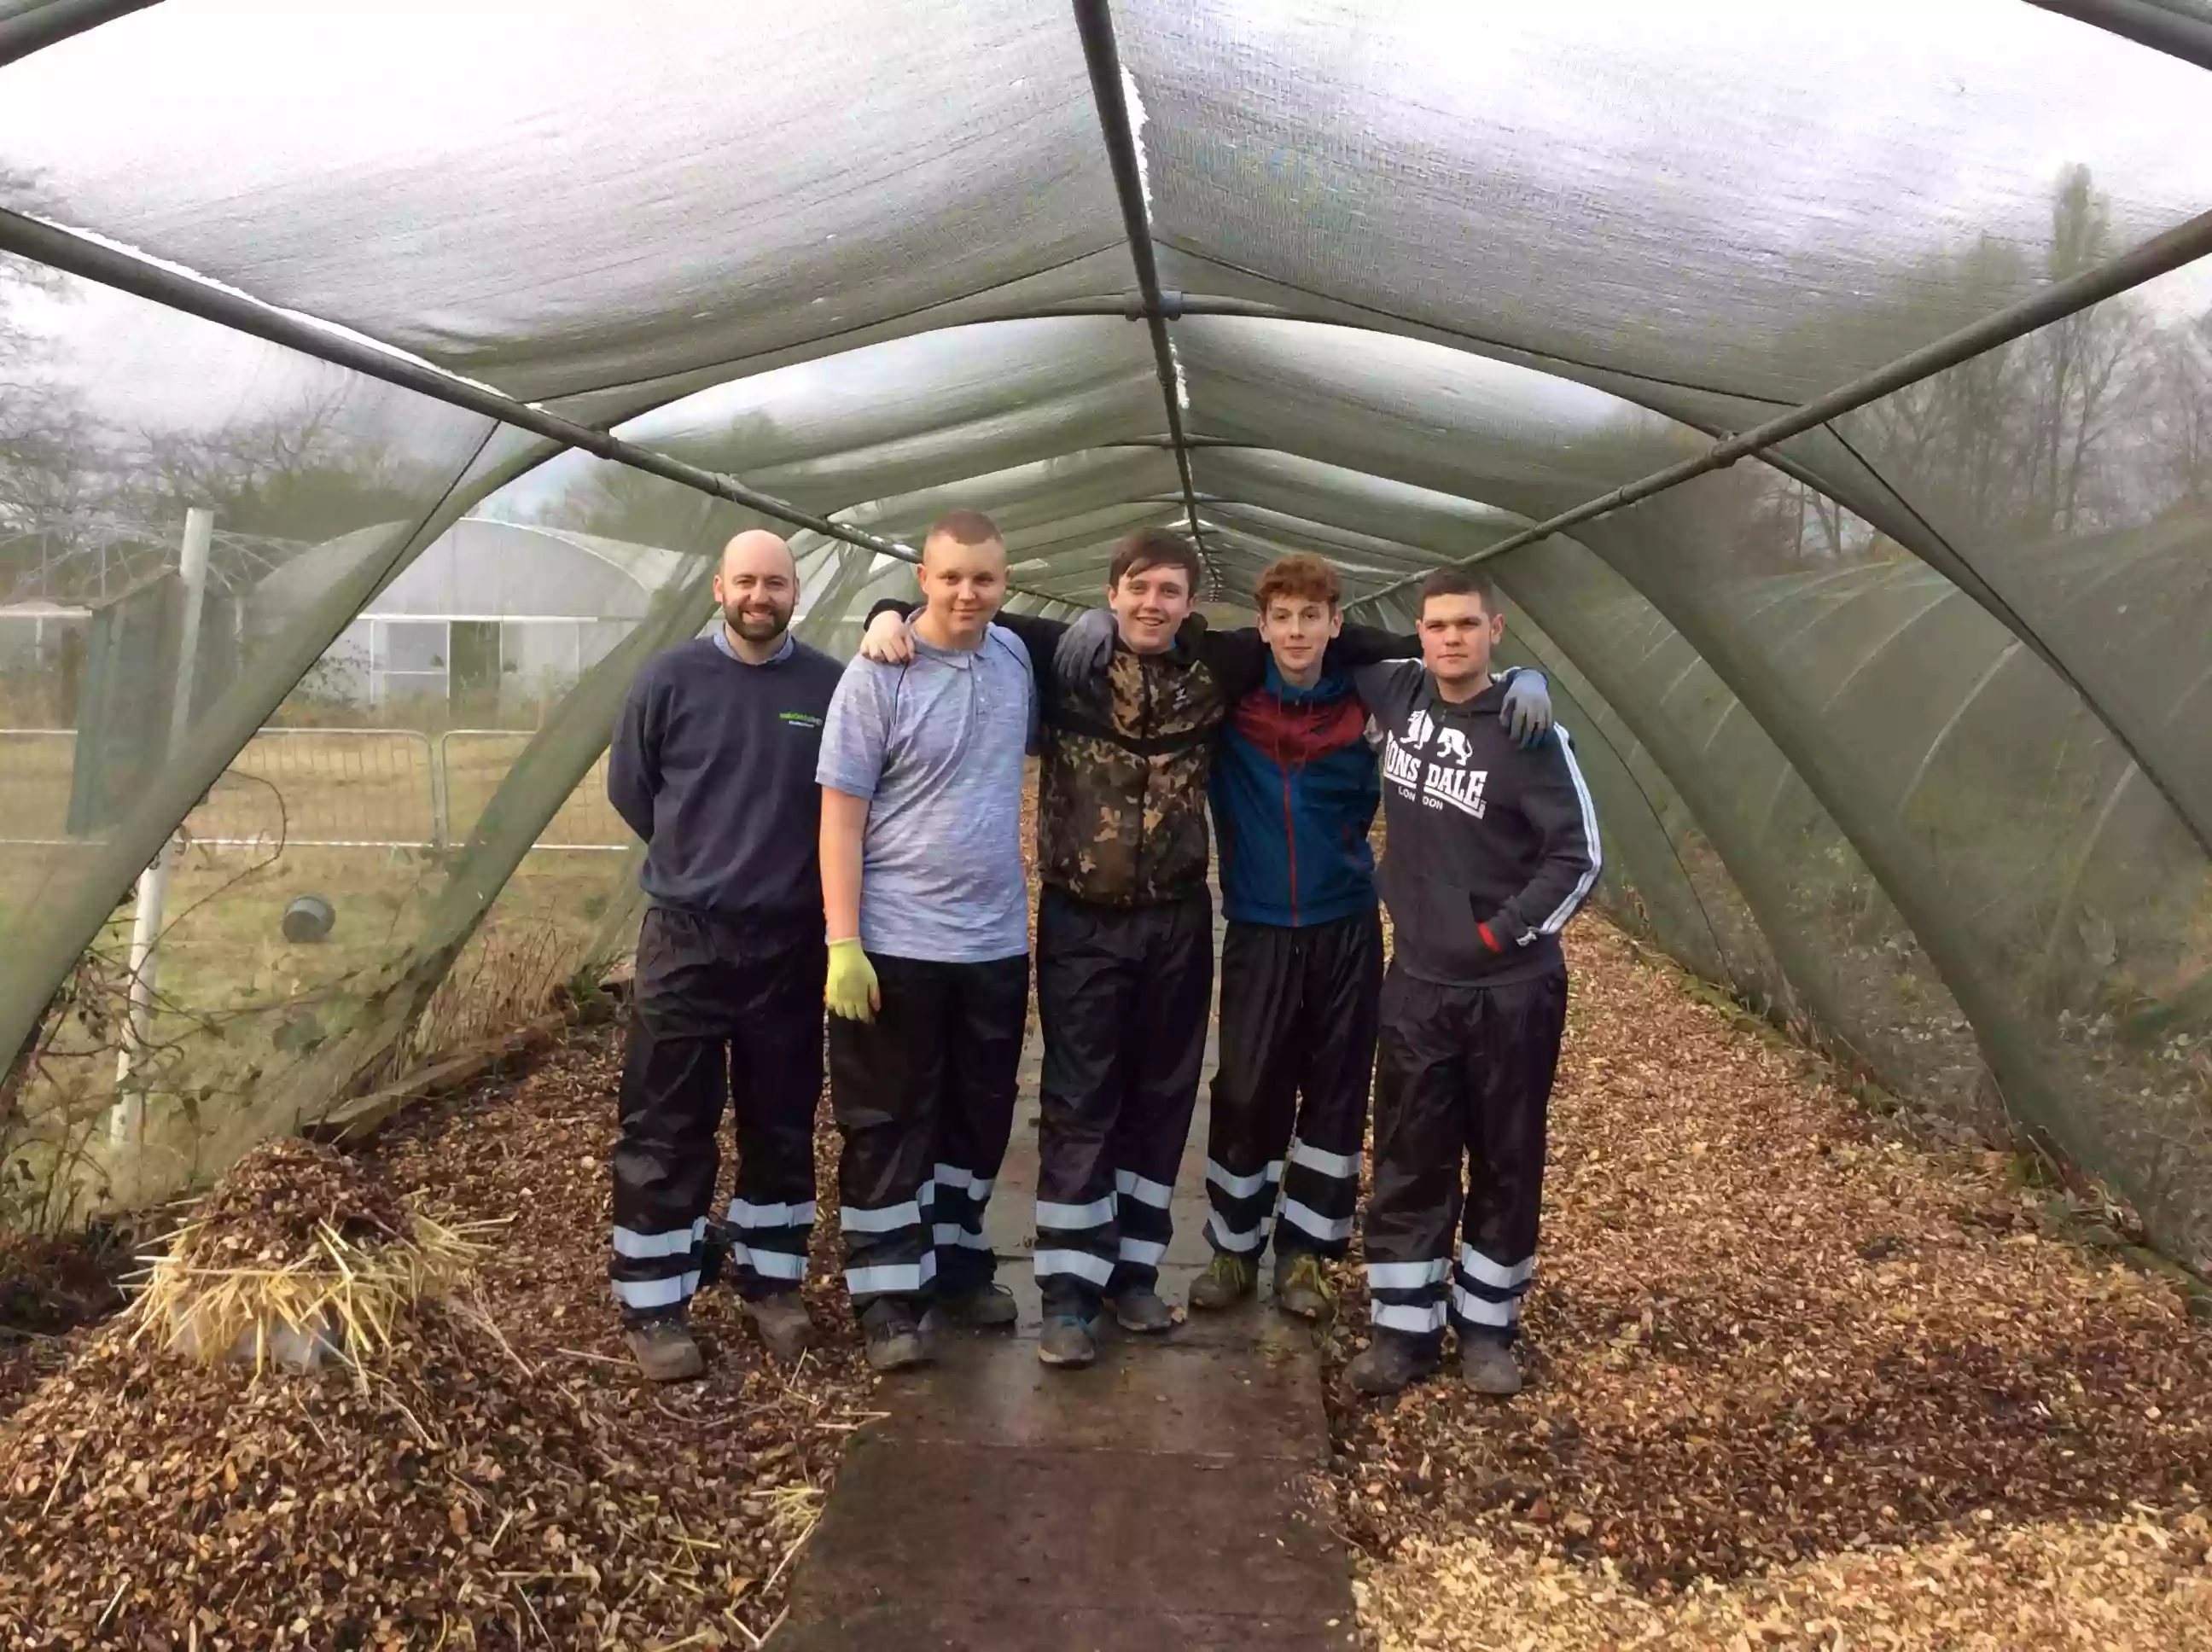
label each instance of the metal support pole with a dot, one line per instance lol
(126, 1119)
(1094, 21)
(60, 249)
(2162, 28)
(25, 32)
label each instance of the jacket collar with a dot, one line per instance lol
(1332, 686)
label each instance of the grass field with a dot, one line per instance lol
(349, 816)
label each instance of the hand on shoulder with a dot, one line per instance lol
(886, 640)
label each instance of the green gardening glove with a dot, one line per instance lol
(851, 991)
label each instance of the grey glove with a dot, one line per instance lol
(1526, 714)
(1084, 647)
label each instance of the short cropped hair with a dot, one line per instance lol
(1149, 547)
(965, 528)
(1299, 577)
(1461, 582)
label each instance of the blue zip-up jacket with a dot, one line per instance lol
(1294, 791)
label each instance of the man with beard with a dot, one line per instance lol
(713, 765)
(927, 910)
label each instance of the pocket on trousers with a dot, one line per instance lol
(670, 950)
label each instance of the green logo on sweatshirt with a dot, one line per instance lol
(799, 718)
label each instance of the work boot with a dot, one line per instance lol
(891, 1336)
(1068, 1341)
(780, 1319)
(1302, 1288)
(1140, 1309)
(1391, 1364)
(1486, 1364)
(988, 1307)
(1228, 1279)
(663, 1349)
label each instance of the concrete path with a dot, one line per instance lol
(1149, 1504)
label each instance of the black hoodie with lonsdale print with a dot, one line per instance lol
(1488, 849)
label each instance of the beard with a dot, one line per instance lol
(758, 623)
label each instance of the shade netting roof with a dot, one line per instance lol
(1898, 724)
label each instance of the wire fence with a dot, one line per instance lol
(349, 789)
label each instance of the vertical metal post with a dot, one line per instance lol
(442, 791)
(126, 1120)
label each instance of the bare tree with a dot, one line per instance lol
(2079, 373)
(2029, 441)
(42, 473)
(298, 473)
(2181, 414)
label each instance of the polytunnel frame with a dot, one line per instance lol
(111, 266)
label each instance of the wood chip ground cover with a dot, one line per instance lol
(502, 1480)
(1794, 1382)
(48, 1287)
(275, 1203)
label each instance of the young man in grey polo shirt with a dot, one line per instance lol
(927, 911)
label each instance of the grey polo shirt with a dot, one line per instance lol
(936, 747)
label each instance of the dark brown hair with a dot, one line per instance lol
(1149, 548)
(1461, 582)
(1301, 577)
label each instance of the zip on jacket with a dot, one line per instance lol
(1294, 793)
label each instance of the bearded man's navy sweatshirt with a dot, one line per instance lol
(713, 765)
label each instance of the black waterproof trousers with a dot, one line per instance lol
(1460, 1073)
(924, 1096)
(1290, 1094)
(1121, 995)
(716, 1016)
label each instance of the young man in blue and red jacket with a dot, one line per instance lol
(1294, 791)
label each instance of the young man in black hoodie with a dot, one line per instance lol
(1488, 851)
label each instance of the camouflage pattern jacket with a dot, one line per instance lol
(1121, 799)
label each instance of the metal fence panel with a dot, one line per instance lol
(474, 760)
(369, 788)
(346, 788)
(35, 766)
(324, 787)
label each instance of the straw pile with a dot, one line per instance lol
(300, 1253)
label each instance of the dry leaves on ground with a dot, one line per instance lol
(1769, 1343)
(2107, 1585)
(501, 1480)
(48, 1287)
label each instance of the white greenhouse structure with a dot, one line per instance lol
(508, 614)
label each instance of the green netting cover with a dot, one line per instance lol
(1897, 728)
